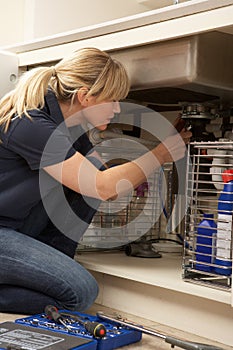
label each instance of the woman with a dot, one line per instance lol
(40, 155)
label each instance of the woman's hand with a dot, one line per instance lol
(173, 147)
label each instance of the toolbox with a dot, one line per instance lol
(116, 335)
(16, 336)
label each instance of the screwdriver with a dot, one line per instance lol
(53, 314)
(184, 344)
(96, 329)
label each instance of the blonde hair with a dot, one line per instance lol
(92, 68)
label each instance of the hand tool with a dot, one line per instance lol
(184, 344)
(96, 329)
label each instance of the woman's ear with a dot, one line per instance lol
(82, 96)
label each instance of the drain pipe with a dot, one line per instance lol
(97, 136)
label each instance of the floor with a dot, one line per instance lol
(148, 342)
(154, 289)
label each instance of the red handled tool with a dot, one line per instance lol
(96, 329)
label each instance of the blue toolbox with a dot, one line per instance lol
(65, 330)
(101, 335)
(16, 336)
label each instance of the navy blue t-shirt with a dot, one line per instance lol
(28, 146)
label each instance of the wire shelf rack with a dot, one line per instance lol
(120, 221)
(207, 257)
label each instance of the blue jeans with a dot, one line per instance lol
(33, 275)
(37, 266)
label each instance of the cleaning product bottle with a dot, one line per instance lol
(140, 222)
(206, 231)
(223, 259)
(139, 200)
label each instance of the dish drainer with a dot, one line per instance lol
(204, 184)
(116, 224)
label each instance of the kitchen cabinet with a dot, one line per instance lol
(192, 17)
(152, 288)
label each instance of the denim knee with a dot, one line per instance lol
(85, 292)
(37, 275)
(92, 292)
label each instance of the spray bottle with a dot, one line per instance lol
(223, 259)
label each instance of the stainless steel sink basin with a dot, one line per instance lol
(198, 67)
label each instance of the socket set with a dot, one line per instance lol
(16, 336)
(115, 335)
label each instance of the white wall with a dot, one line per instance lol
(73, 14)
(25, 20)
(11, 21)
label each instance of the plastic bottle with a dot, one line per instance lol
(140, 222)
(205, 243)
(224, 226)
(139, 201)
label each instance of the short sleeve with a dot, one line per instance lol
(40, 142)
